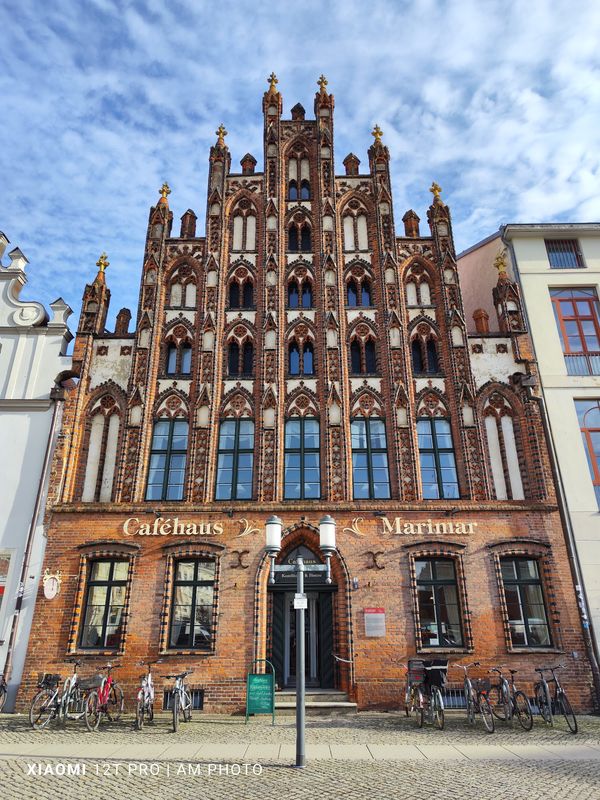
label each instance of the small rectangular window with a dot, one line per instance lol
(438, 603)
(302, 466)
(104, 605)
(527, 616)
(235, 460)
(588, 414)
(191, 625)
(436, 456)
(564, 253)
(370, 473)
(168, 454)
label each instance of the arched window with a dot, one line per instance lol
(298, 177)
(234, 295)
(186, 358)
(175, 295)
(432, 356)
(248, 294)
(101, 453)
(244, 226)
(370, 360)
(234, 358)
(305, 241)
(355, 357)
(355, 232)
(502, 448)
(238, 232)
(172, 351)
(349, 233)
(306, 294)
(248, 358)
(190, 295)
(365, 293)
(178, 359)
(293, 294)
(417, 357)
(352, 294)
(294, 359)
(308, 367)
(304, 190)
(293, 239)
(293, 190)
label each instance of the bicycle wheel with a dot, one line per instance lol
(42, 709)
(115, 703)
(437, 708)
(564, 707)
(139, 712)
(542, 700)
(175, 696)
(91, 712)
(419, 709)
(150, 712)
(499, 702)
(470, 703)
(485, 710)
(407, 701)
(522, 708)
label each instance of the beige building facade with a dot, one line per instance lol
(557, 270)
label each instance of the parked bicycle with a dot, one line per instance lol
(180, 698)
(508, 702)
(477, 697)
(105, 700)
(430, 704)
(553, 705)
(145, 697)
(51, 704)
(3, 692)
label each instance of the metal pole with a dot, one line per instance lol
(300, 688)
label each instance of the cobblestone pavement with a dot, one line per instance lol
(118, 762)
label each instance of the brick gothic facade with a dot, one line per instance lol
(301, 303)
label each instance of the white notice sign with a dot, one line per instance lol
(300, 601)
(374, 622)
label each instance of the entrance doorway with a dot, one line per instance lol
(318, 627)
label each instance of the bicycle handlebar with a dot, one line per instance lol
(180, 675)
(549, 669)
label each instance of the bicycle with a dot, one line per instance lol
(476, 697)
(46, 703)
(551, 706)
(105, 700)
(181, 698)
(507, 702)
(145, 697)
(430, 705)
(3, 692)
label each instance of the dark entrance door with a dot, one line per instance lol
(318, 629)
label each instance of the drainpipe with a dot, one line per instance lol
(591, 644)
(57, 396)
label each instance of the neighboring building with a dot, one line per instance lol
(302, 359)
(557, 267)
(33, 364)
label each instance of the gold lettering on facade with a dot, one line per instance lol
(165, 526)
(428, 528)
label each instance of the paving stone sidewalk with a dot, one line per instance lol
(370, 755)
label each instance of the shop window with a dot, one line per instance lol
(235, 460)
(439, 614)
(588, 414)
(191, 619)
(577, 314)
(103, 615)
(527, 617)
(436, 456)
(370, 472)
(302, 468)
(166, 476)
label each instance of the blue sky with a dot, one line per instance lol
(102, 100)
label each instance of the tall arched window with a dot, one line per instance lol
(293, 190)
(308, 366)
(298, 177)
(362, 357)
(248, 358)
(502, 448)
(234, 295)
(178, 359)
(355, 231)
(432, 356)
(294, 359)
(417, 357)
(234, 358)
(293, 239)
(425, 356)
(305, 240)
(370, 360)
(304, 190)
(355, 357)
(306, 294)
(293, 294)
(248, 295)
(352, 294)
(101, 452)
(365, 293)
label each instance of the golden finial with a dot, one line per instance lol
(221, 133)
(500, 262)
(377, 133)
(164, 190)
(322, 83)
(435, 191)
(102, 262)
(272, 82)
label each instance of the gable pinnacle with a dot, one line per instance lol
(322, 83)
(435, 191)
(102, 262)
(272, 82)
(377, 133)
(164, 191)
(221, 133)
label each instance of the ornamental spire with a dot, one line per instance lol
(435, 190)
(500, 263)
(377, 133)
(221, 134)
(164, 191)
(272, 83)
(322, 83)
(102, 264)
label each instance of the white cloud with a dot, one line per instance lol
(103, 100)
